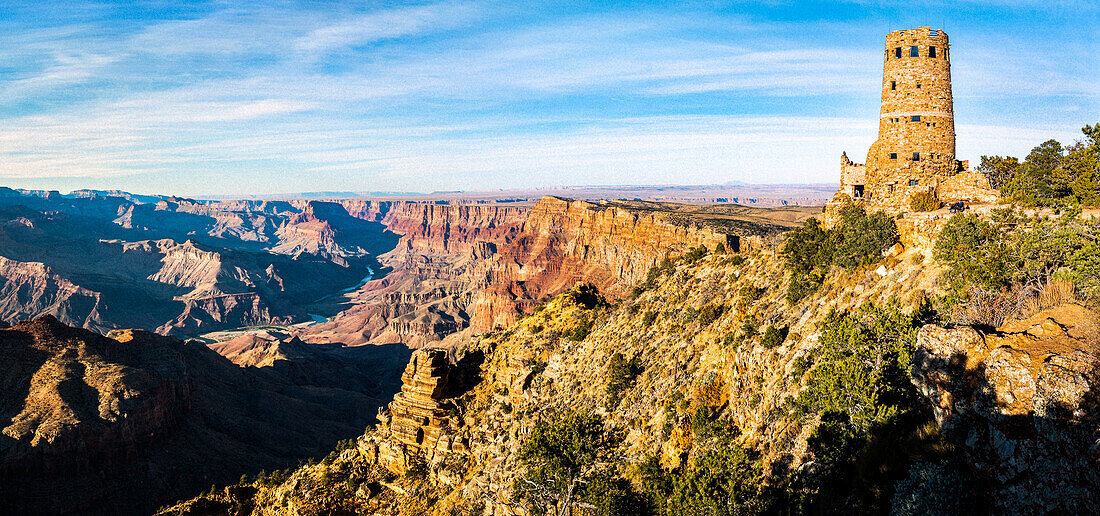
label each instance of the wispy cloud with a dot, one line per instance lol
(386, 25)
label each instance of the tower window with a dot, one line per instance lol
(916, 157)
(915, 118)
(926, 124)
(914, 182)
(857, 191)
(893, 155)
(897, 53)
(893, 85)
(891, 188)
(914, 51)
(932, 52)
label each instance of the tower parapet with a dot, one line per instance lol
(915, 150)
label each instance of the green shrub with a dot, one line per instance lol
(873, 422)
(975, 252)
(656, 484)
(750, 294)
(621, 374)
(607, 495)
(710, 313)
(586, 295)
(561, 453)
(749, 328)
(725, 480)
(581, 330)
(1013, 252)
(803, 286)
(695, 254)
(811, 250)
(862, 365)
(737, 260)
(801, 364)
(774, 337)
(924, 201)
(863, 238)
(649, 318)
(705, 422)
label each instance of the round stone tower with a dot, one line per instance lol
(915, 150)
(917, 118)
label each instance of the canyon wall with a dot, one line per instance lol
(564, 242)
(475, 267)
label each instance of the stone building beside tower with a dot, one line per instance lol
(915, 150)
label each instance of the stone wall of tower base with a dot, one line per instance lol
(971, 186)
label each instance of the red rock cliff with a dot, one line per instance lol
(563, 242)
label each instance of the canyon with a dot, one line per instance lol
(298, 311)
(1013, 407)
(110, 260)
(122, 422)
(450, 331)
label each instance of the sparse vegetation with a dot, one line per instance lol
(810, 251)
(773, 337)
(710, 313)
(569, 461)
(873, 424)
(1008, 266)
(695, 254)
(726, 480)
(749, 328)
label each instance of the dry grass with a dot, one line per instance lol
(994, 308)
(1055, 293)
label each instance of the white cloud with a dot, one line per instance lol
(386, 24)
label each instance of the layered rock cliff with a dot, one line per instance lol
(101, 275)
(122, 423)
(563, 242)
(473, 268)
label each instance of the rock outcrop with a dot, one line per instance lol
(416, 426)
(1022, 403)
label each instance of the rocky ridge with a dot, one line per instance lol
(1018, 402)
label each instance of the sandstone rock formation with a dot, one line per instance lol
(417, 426)
(479, 267)
(1022, 402)
(103, 273)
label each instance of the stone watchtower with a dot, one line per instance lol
(915, 150)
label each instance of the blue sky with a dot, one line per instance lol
(225, 97)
